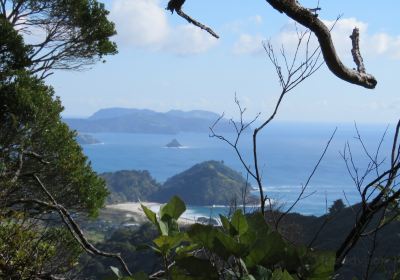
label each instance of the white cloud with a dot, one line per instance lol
(384, 44)
(140, 22)
(257, 19)
(188, 39)
(377, 44)
(237, 26)
(144, 23)
(249, 44)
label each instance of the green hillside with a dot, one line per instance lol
(129, 185)
(206, 183)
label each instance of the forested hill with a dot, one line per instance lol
(148, 121)
(129, 185)
(206, 183)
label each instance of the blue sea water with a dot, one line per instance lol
(287, 155)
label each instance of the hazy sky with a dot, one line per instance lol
(165, 63)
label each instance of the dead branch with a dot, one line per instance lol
(308, 19)
(355, 51)
(196, 23)
(176, 5)
(387, 195)
(289, 77)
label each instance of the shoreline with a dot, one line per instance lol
(190, 216)
(135, 208)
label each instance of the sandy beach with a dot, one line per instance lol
(136, 209)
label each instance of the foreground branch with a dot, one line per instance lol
(72, 226)
(176, 5)
(308, 19)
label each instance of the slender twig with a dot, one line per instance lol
(304, 187)
(72, 226)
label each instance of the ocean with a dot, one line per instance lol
(287, 155)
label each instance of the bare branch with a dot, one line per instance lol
(176, 5)
(198, 24)
(304, 187)
(308, 19)
(385, 184)
(355, 51)
(72, 226)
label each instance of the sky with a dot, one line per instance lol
(165, 63)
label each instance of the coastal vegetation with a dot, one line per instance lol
(86, 139)
(206, 183)
(132, 185)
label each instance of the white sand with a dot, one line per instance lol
(136, 208)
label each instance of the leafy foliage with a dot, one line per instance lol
(336, 207)
(75, 32)
(129, 185)
(27, 249)
(243, 248)
(34, 140)
(13, 53)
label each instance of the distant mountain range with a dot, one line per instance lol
(148, 121)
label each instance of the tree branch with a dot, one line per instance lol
(176, 5)
(72, 226)
(308, 19)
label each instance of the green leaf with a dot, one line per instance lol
(323, 265)
(256, 255)
(151, 216)
(203, 235)
(239, 222)
(277, 248)
(163, 227)
(225, 223)
(167, 243)
(257, 223)
(281, 275)
(229, 244)
(173, 209)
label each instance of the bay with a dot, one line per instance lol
(287, 152)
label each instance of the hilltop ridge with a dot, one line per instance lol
(130, 120)
(207, 183)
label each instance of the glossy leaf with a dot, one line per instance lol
(239, 223)
(203, 235)
(225, 223)
(281, 275)
(173, 209)
(323, 266)
(151, 216)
